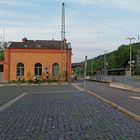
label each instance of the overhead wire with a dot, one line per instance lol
(103, 23)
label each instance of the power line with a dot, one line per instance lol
(100, 22)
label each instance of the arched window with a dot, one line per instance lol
(55, 69)
(20, 69)
(38, 69)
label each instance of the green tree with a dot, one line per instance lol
(1, 53)
(116, 59)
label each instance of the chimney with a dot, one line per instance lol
(24, 39)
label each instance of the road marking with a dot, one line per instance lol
(78, 84)
(134, 97)
(3, 107)
(64, 91)
(79, 88)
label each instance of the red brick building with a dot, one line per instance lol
(40, 58)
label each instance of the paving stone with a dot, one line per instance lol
(64, 116)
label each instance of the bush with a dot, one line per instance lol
(29, 81)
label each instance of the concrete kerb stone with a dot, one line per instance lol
(33, 84)
(125, 111)
(124, 86)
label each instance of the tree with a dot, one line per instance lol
(116, 59)
(3, 45)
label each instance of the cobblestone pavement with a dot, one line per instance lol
(64, 115)
(8, 93)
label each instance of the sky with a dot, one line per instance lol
(93, 27)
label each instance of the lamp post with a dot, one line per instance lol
(92, 66)
(85, 72)
(105, 72)
(130, 39)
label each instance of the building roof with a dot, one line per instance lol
(78, 65)
(1, 62)
(46, 44)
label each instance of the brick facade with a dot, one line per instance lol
(30, 56)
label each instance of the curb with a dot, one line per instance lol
(130, 114)
(115, 106)
(42, 84)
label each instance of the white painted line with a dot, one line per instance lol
(79, 88)
(3, 107)
(134, 97)
(64, 91)
(78, 84)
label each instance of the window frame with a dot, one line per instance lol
(38, 70)
(20, 69)
(55, 70)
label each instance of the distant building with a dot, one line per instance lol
(78, 69)
(29, 59)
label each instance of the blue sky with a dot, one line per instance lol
(92, 26)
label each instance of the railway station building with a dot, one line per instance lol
(37, 58)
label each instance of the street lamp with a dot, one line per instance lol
(85, 72)
(130, 39)
(92, 66)
(105, 52)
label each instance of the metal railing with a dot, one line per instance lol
(120, 79)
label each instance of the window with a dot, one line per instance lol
(38, 69)
(1, 68)
(55, 69)
(20, 69)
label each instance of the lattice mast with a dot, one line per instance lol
(63, 43)
(63, 22)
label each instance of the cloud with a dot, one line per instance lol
(14, 3)
(132, 5)
(17, 33)
(87, 1)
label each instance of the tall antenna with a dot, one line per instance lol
(63, 22)
(63, 43)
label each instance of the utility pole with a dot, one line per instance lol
(63, 42)
(85, 72)
(138, 61)
(130, 39)
(92, 66)
(63, 22)
(105, 71)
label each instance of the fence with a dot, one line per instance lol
(121, 79)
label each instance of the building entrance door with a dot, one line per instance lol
(1, 73)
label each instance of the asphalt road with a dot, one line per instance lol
(126, 99)
(62, 113)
